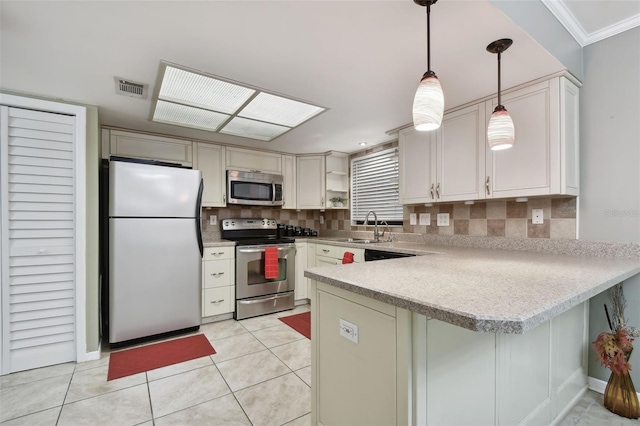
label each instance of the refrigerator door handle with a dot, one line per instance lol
(198, 220)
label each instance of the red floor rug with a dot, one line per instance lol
(138, 360)
(300, 323)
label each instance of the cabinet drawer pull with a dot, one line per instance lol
(432, 185)
(325, 250)
(219, 253)
(217, 301)
(487, 186)
(438, 190)
(217, 274)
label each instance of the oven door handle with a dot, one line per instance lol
(260, 250)
(266, 299)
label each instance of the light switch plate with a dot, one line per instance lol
(213, 219)
(443, 219)
(425, 218)
(321, 220)
(413, 219)
(349, 331)
(537, 216)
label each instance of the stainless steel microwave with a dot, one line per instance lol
(254, 189)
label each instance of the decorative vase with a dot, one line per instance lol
(620, 395)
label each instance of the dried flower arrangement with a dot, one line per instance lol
(615, 347)
(614, 350)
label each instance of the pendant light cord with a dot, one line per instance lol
(499, 91)
(428, 37)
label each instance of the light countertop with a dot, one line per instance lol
(506, 291)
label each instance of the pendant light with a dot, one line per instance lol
(501, 133)
(428, 104)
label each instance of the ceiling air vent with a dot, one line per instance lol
(131, 88)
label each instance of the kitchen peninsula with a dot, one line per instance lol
(455, 336)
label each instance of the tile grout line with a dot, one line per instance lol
(149, 397)
(232, 393)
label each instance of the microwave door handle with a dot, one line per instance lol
(273, 192)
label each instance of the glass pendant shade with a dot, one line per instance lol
(428, 104)
(501, 132)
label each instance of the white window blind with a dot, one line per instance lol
(374, 186)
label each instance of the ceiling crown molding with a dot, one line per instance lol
(568, 20)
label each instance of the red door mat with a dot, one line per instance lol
(300, 323)
(138, 360)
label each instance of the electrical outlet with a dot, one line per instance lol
(425, 218)
(213, 219)
(443, 219)
(413, 219)
(537, 216)
(349, 331)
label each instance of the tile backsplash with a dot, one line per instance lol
(499, 218)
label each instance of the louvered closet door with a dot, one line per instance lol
(38, 285)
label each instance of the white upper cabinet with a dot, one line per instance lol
(209, 159)
(337, 179)
(417, 166)
(253, 161)
(311, 174)
(460, 150)
(290, 199)
(151, 147)
(454, 162)
(544, 157)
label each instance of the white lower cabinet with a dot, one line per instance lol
(405, 366)
(218, 281)
(327, 254)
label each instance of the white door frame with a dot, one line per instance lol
(80, 178)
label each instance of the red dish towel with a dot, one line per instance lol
(347, 258)
(271, 263)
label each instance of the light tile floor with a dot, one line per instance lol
(260, 375)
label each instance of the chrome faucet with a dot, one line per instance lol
(376, 234)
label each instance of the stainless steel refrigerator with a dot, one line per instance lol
(155, 249)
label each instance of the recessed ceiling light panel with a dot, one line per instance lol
(279, 110)
(183, 115)
(202, 91)
(195, 99)
(253, 129)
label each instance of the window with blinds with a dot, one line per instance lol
(374, 186)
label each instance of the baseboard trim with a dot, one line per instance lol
(599, 386)
(91, 356)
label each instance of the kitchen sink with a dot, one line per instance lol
(352, 240)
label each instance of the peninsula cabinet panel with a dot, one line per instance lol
(253, 161)
(417, 166)
(209, 159)
(544, 157)
(355, 381)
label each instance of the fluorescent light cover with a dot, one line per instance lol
(279, 110)
(201, 91)
(253, 129)
(170, 113)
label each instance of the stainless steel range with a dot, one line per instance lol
(256, 294)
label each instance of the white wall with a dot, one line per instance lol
(609, 203)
